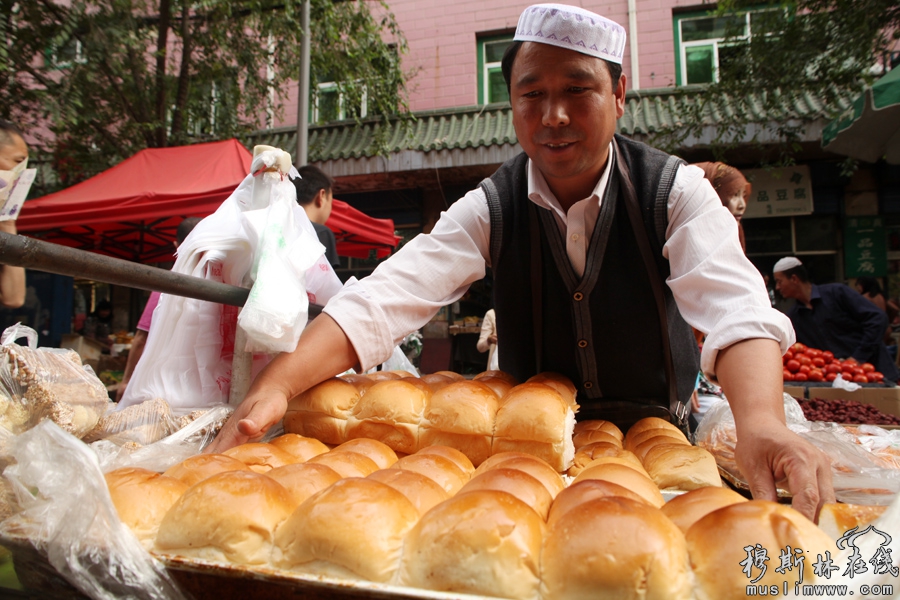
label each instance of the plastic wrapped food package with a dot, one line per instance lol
(46, 383)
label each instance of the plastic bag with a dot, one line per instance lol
(46, 383)
(858, 477)
(195, 430)
(188, 356)
(277, 309)
(67, 514)
(398, 362)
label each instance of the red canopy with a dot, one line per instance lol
(131, 210)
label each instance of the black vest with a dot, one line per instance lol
(605, 330)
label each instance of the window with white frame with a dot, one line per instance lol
(491, 86)
(701, 46)
(329, 104)
(63, 55)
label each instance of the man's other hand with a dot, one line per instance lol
(250, 421)
(775, 455)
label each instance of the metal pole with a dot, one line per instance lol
(303, 91)
(21, 251)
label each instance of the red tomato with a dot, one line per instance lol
(858, 371)
(788, 356)
(816, 375)
(867, 367)
(860, 379)
(818, 362)
(847, 375)
(798, 347)
(793, 366)
(788, 376)
(876, 376)
(800, 377)
(828, 356)
(830, 376)
(804, 360)
(813, 353)
(833, 368)
(805, 369)
(851, 361)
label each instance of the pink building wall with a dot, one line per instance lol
(442, 38)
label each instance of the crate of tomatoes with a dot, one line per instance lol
(802, 364)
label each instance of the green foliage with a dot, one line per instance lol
(107, 78)
(801, 52)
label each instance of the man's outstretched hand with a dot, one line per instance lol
(250, 421)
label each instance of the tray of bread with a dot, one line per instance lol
(391, 486)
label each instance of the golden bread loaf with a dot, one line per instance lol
(142, 498)
(719, 541)
(686, 509)
(321, 412)
(481, 542)
(231, 516)
(354, 529)
(303, 480)
(614, 548)
(534, 418)
(195, 469)
(304, 448)
(461, 415)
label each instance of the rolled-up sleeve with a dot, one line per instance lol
(407, 290)
(717, 289)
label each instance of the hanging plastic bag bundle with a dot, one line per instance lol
(261, 237)
(46, 383)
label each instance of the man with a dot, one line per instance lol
(13, 150)
(834, 317)
(568, 214)
(139, 342)
(314, 195)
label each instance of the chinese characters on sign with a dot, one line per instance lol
(792, 560)
(780, 192)
(865, 247)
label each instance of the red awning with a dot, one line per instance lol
(358, 234)
(132, 210)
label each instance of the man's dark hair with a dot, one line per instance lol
(185, 228)
(7, 130)
(870, 286)
(799, 271)
(311, 180)
(509, 57)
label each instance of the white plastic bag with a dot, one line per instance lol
(188, 356)
(68, 515)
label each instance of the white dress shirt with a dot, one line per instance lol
(717, 289)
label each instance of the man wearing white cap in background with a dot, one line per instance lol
(834, 317)
(602, 251)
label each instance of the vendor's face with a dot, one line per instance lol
(788, 287)
(737, 205)
(13, 152)
(565, 108)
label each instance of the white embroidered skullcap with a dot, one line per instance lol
(786, 263)
(573, 28)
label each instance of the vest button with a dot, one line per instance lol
(578, 296)
(588, 385)
(582, 343)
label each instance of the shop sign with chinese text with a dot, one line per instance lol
(865, 247)
(781, 192)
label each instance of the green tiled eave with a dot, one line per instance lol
(646, 112)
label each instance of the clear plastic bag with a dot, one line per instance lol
(46, 383)
(67, 514)
(194, 431)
